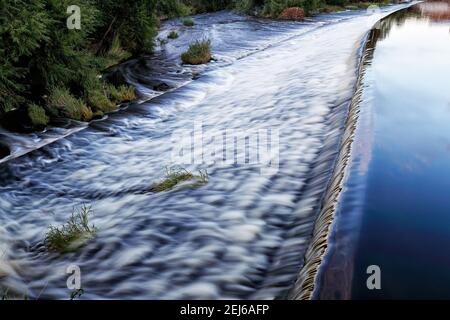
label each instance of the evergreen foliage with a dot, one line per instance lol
(43, 62)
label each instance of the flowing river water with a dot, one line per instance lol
(242, 235)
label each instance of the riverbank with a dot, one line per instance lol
(62, 78)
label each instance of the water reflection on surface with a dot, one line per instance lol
(401, 219)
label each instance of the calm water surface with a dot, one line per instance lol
(395, 208)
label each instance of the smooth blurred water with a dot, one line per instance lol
(243, 235)
(395, 207)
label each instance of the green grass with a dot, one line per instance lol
(121, 94)
(116, 53)
(107, 98)
(74, 234)
(98, 101)
(198, 52)
(37, 116)
(65, 104)
(179, 175)
(173, 35)
(188, 22)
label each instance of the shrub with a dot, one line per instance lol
(120, 94)
(37, 116)
(172, 9)
(199, 52)
(38, 52)
(188, 22)
(337, 2)
(115, 54)
(293, 13)
(173, 35)
(74, 234)
(66, 105)
(99, 102)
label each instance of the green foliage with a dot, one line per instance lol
(173, 35)
(201, 6)
(37, 116)
(247, 6)
(181, 8)
(341, 3)
(177, 176)
(116, 53)
(100, 102)
(39, 53)
(199, 52)
(72, 235)
(122, 93)
(188, 22)
(273, 8)
(64, 104)
(132, 22)
(172, 9)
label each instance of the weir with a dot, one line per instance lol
(243, 234)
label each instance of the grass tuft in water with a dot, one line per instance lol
(188, 22)
(173, 35)
(179, 175)
(75, 233)
(199, 52)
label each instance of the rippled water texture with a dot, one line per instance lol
(394, 211)
(243, 235)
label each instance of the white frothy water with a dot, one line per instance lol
(243, 234)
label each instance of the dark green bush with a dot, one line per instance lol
(37, 116)
(39, 53)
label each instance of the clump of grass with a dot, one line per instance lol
(37, 116)
(99, 102)
(179, 175)
(199, 52)
(65, 104)
(188, 22)
(116, 53)
(73, 234)
(122, 93)
(173, 35)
